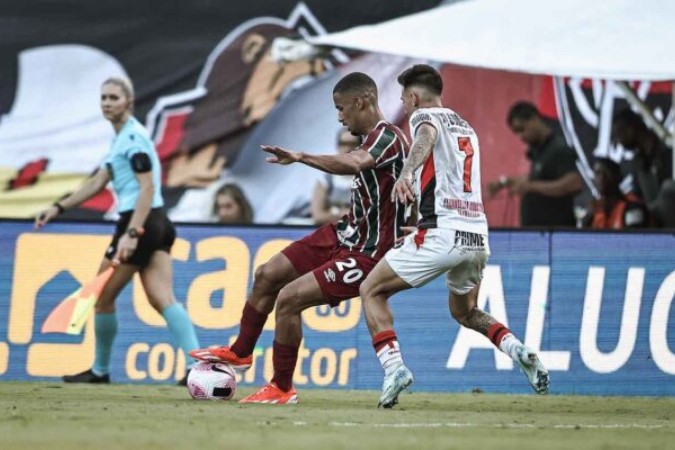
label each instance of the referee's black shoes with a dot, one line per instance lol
(87, 377)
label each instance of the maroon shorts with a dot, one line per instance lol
(338, 270)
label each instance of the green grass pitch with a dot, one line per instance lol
(56, 416)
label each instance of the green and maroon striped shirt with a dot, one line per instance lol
(374, 221)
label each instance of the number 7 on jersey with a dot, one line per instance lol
(465, 146)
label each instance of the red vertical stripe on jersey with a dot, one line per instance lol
(428, 172)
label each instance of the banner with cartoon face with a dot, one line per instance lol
(204, 83)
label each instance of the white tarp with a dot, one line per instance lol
(608, 39)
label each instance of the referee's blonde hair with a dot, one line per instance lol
(126, 87)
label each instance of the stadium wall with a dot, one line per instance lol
(598, 306)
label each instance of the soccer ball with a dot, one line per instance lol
(211, 381)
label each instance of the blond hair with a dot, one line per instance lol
(126, 87)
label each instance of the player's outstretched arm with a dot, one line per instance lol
(340, 164)
(280, 155)
(87, 190)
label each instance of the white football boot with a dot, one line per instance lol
(395, 383)
(534, 370)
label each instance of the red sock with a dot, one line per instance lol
(388, 352)
(496, 333)
(284, 359)
(250, 327)
(383, 338)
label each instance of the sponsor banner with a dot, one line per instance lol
(597, 306)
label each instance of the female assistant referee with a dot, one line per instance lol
(143, 236)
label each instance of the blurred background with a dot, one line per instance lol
(210, 88)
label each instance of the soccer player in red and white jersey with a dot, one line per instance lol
(327, 266)
(451, 237)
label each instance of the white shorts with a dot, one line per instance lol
(460, 254)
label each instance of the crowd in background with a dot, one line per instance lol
(551, 194)
(549, 191)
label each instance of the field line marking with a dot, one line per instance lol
(474, 425)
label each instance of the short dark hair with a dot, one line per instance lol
(422, 75)
(627, 118)
(355, 83)
(522, 110)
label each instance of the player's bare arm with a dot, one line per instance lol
(340, 164)
(419, 152)
(88, 189)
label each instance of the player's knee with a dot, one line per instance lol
(104, 308)
(368, 289)
(264, 274)
(364, 290)
(286, 301)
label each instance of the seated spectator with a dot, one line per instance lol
(548, 191)
(614, 209)
(332, 195)
(231, 206)
(653, 161)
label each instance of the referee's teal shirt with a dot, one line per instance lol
(133, 138)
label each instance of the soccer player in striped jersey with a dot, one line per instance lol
(327, 266)
(451, 238)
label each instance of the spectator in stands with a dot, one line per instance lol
(231, 206)
(548, 192)
(653, 161)
(614, 210)
(332, 194)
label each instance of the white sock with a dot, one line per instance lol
(390, 357)
(509, 345)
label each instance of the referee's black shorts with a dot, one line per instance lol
(159, 235)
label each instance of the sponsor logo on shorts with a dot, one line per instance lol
(329, 274)
(466, 239)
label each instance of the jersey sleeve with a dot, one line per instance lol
(418, 118)
(106, 161)
(383, 145)
(135, 144)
